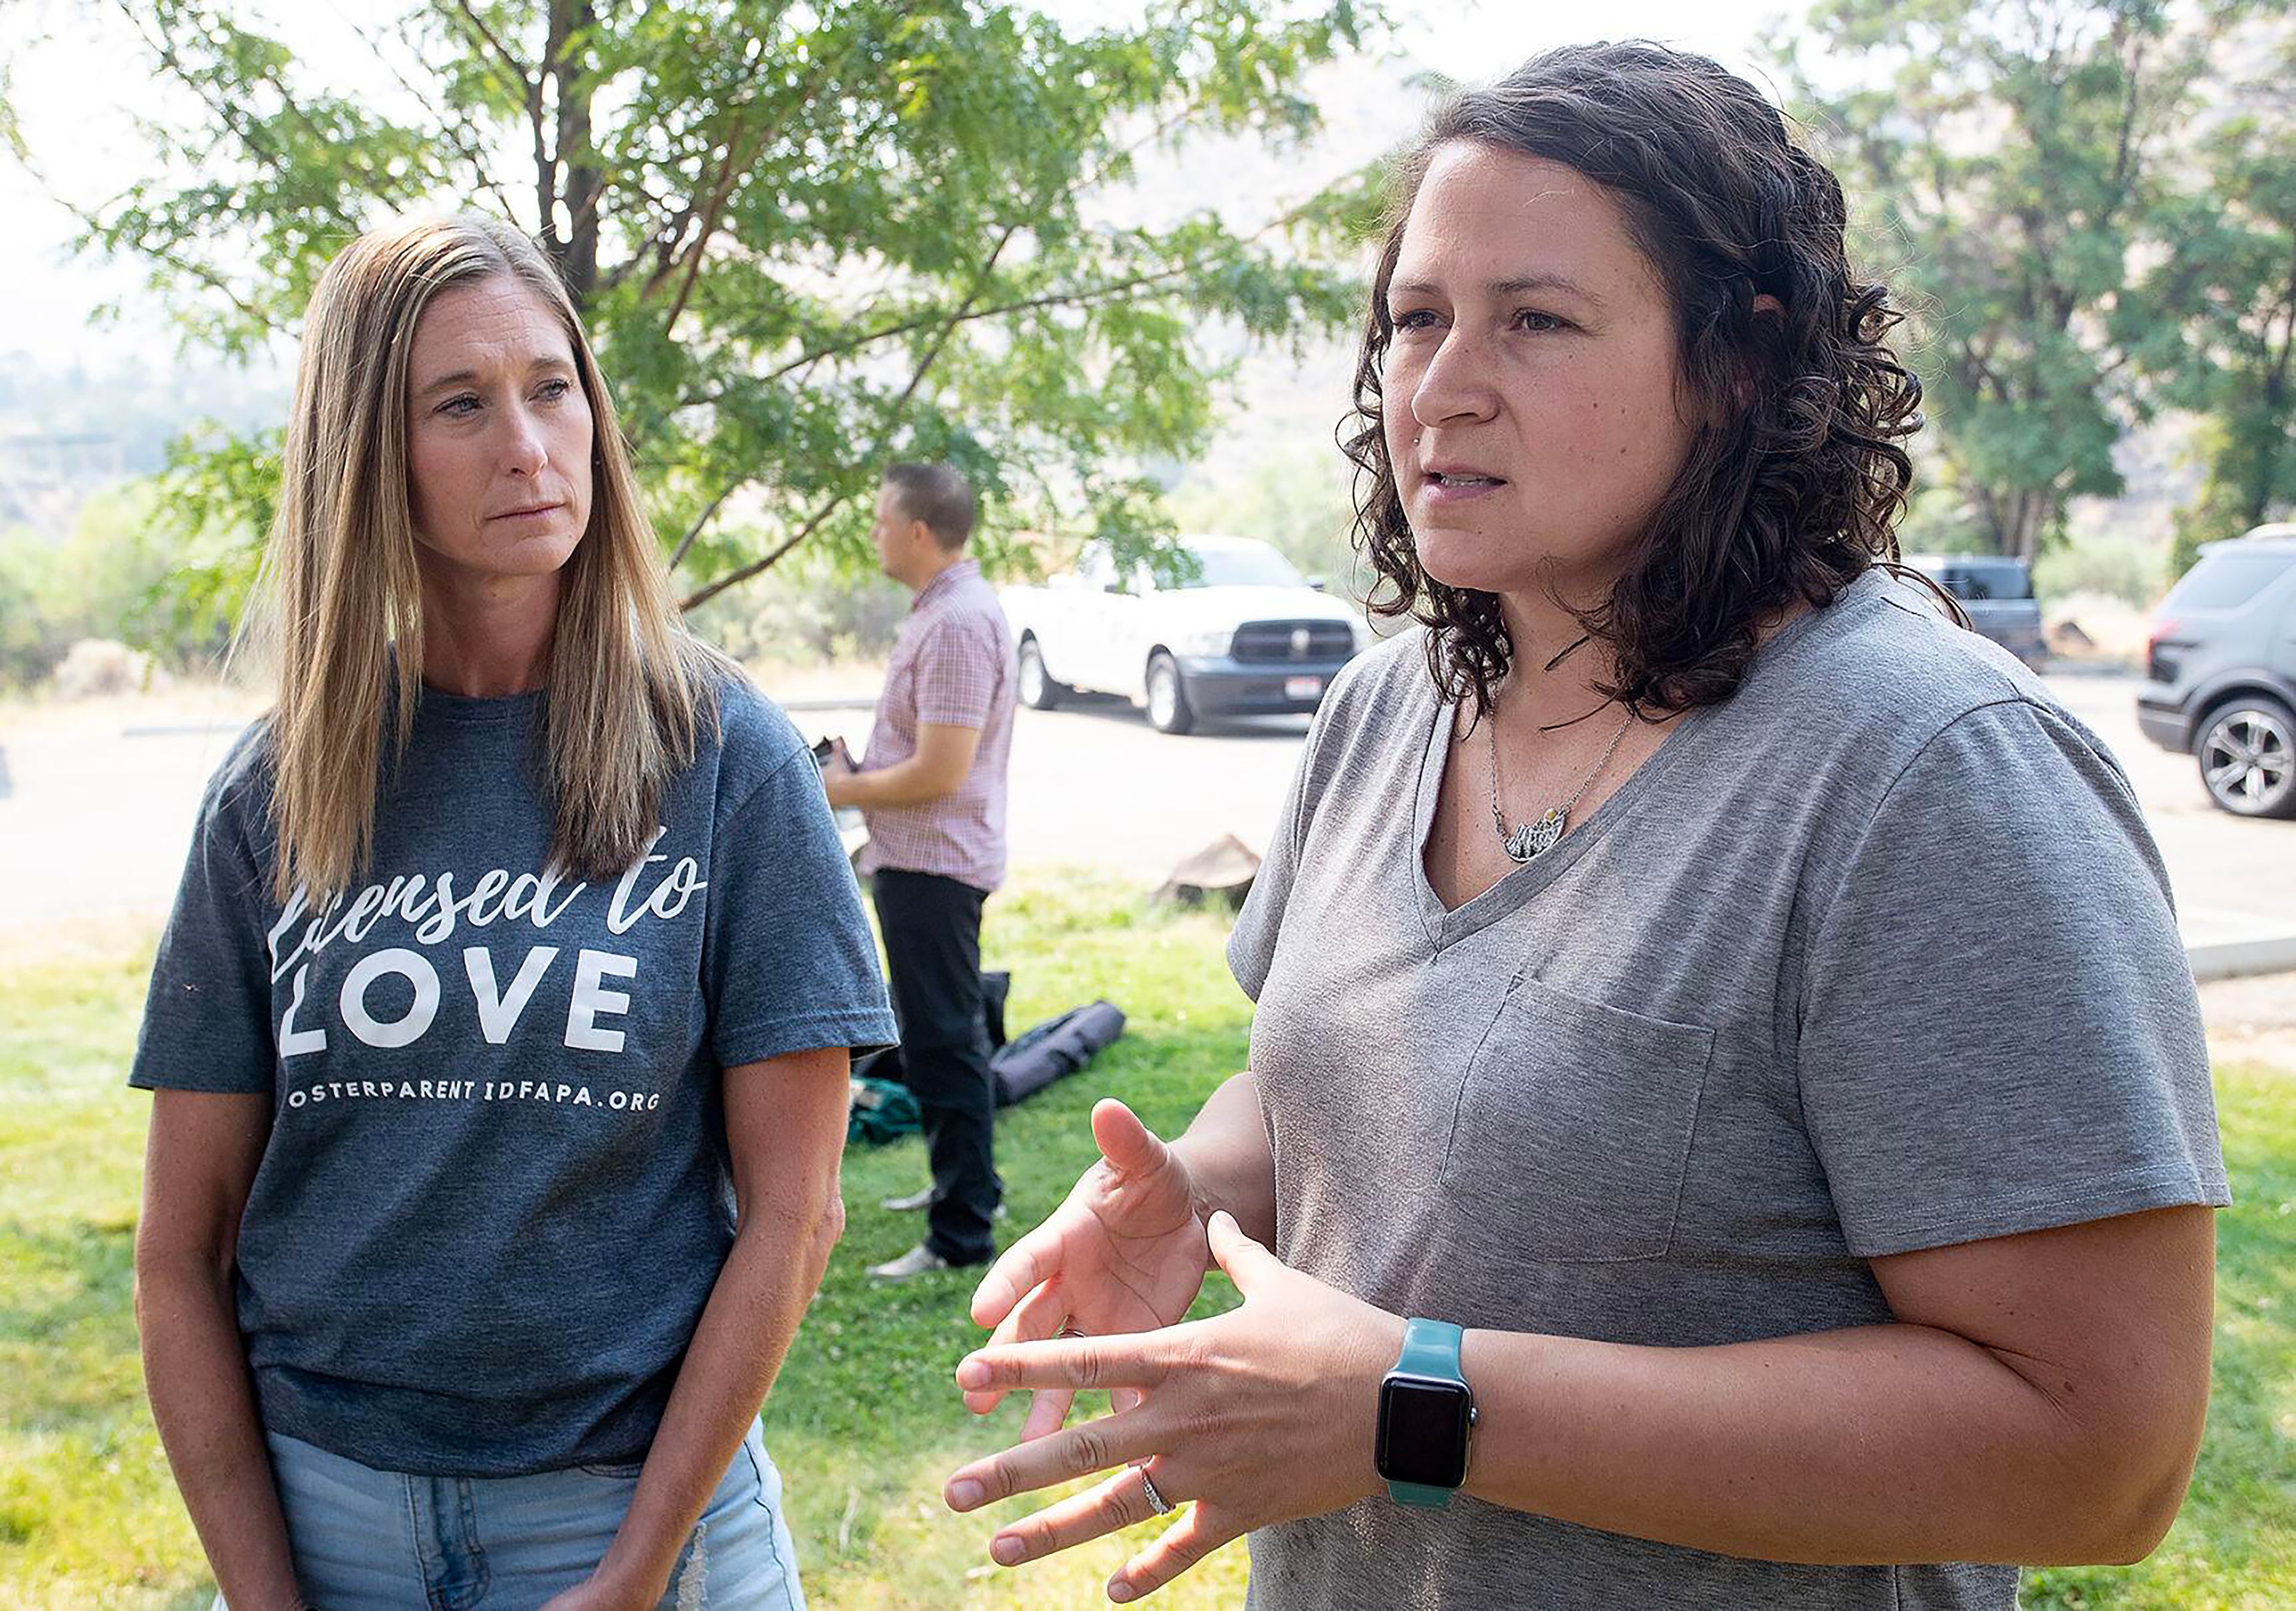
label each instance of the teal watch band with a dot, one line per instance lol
(1429, 1363)
(1431, 1348)
(1420, 1495)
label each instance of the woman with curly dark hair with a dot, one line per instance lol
(1727, 1098)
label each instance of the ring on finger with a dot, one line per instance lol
(1157, 1502)
(1070, 1328)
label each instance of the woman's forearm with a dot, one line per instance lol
(1226, 1150)
(777, 1262)
(195, 1373)
(1882, 1444)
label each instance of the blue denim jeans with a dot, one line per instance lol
(380, 1541)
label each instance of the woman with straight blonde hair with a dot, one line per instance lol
(498, 1037)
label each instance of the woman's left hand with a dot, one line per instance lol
(1262, 1415)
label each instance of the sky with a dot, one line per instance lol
(77, 108)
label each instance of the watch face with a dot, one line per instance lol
(1422, 1431)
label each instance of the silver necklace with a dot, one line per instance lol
(1526, 840)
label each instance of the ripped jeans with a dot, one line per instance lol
(379, 1540)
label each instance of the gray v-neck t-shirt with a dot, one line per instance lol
(1875, 956)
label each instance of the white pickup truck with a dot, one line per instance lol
(1248, 636)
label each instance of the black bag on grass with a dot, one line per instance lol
(1058, 1045)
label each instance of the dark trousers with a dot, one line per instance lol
(931, 927)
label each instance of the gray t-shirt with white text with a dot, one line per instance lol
(1875, 956)
(496, 1193)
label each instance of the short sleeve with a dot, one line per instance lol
(959, 663)
(790, 964)
(1999, 1029)
(207, 1019)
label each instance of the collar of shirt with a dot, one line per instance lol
(942, 583)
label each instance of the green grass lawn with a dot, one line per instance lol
(864, 1420)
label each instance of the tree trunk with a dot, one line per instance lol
(1994, 510)
(2016, 522)
(2028, 534)
(2259, 474)
(2271, 441)
(585, 184)
(2042, 511)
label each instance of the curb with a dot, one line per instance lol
(2238, 958)
(182, 730)
(2055, 667)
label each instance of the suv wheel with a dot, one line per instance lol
(1037, 689)
(2247, 753)
(1167, 695)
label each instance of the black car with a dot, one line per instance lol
(1995, 592)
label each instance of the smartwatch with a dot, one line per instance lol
(1426, 1412)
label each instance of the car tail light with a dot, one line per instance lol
(2156, 667)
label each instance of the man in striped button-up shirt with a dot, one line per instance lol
(932, 791)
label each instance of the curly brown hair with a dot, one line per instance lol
(1799, 491)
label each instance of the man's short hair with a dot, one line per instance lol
(936, 494)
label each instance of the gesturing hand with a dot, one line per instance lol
(1125, 1253)
(1261, 1415)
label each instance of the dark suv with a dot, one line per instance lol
(2221, 672)
(1995, 592)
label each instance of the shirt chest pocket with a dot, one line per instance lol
(1571, 1133)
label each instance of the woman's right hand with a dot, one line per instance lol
(1126, 1253)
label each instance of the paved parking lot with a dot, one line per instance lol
(1093, 785)
(96, 801)
(2234, 878)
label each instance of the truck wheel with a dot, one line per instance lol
(1167, 695)
(1038, 691)
(2247, 752)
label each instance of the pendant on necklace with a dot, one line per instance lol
(1531, 839)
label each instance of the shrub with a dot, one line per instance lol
(2119, 567)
